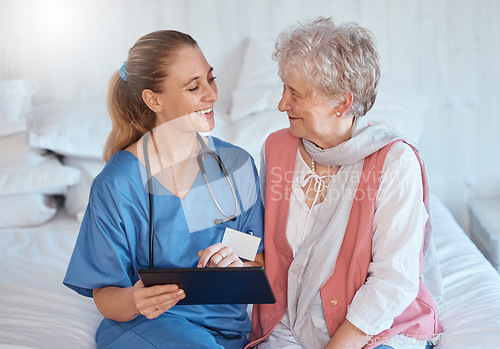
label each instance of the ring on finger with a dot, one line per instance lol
(222, 256)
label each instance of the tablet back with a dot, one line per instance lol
(245, 285)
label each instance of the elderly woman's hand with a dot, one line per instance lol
(348, 336)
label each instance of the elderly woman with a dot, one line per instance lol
(346, 214)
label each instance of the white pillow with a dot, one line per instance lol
(15, 101)
(77, 195)
(259, 86)
(72, 129)
(251, 132)
(26, 210)
(48, 176)
(15, 149)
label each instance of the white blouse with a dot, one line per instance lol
(393, 274)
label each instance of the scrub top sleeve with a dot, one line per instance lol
(102, 254)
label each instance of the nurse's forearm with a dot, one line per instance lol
(124, 304)
(116, 303)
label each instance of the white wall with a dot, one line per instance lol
(448, 49)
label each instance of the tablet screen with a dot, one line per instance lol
(245, 285)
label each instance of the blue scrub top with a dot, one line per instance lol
(113, 242)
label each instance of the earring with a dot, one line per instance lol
(337, 113)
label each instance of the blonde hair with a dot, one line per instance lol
(146, 68)
(335, 59)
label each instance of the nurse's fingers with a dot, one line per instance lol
(237, 263)
(223, 258)
(154, 300)
(155, 290)
(229, 259)
(142, 294)
(207, 254)
(162, 303)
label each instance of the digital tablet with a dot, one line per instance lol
(245, 285)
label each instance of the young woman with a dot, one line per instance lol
(159, 101)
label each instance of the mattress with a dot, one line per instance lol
(37, 311)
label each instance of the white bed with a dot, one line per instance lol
(39, 312)
(37, 237)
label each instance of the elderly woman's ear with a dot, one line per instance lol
(342, 107)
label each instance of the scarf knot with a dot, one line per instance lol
(317, 182)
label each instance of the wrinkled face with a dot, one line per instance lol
(189, 92)
(309, 114)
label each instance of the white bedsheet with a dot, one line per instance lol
(470, 313)
(37, 311)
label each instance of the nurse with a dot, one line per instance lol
(159, 101)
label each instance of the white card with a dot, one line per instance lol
(244, 245)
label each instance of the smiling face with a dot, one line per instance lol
(189, 92)
(310, 115)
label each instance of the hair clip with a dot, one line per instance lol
(123, 71)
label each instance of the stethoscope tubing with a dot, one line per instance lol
(149, 179)
(204, 150)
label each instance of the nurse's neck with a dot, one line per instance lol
(175, 146)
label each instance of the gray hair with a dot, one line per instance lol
(335, 59)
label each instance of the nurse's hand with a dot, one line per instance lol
(219, 256)
(155, 300)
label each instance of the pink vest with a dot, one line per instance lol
(419, 320)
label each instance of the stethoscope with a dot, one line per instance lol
(204, 150)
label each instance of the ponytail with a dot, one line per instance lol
(130, 117)
(146, 68)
